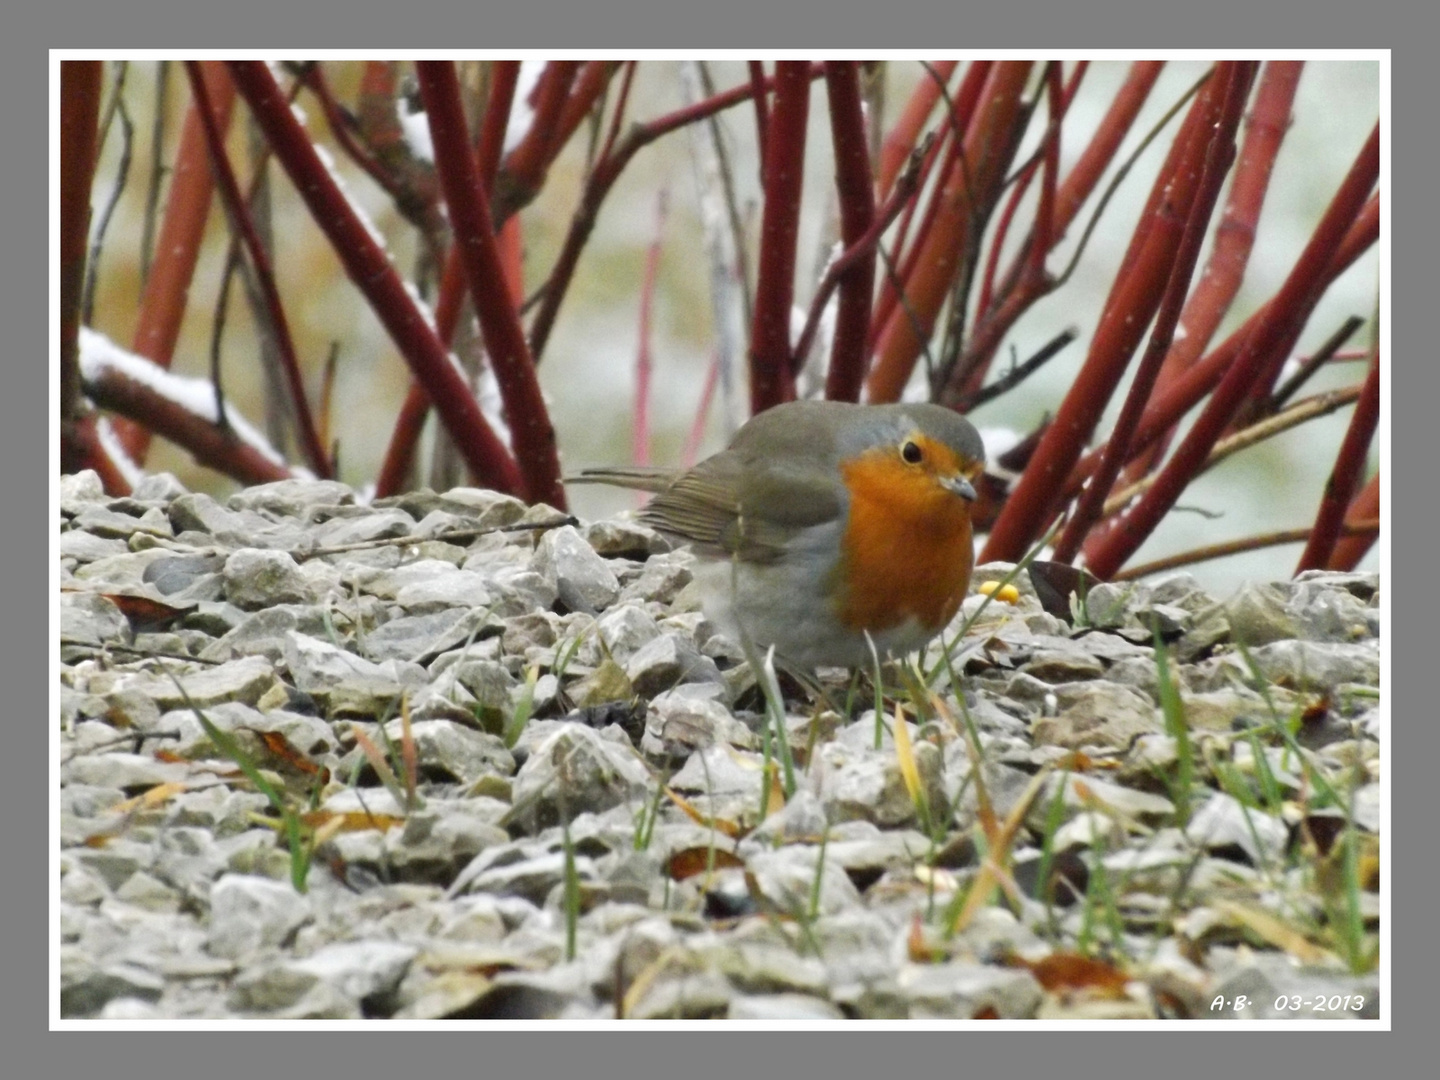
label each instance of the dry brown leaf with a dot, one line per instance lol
(350, 820)
(918, 946)
(280, 747)
(1063, 972)
(776, 801)
(409, 758)
(150, 799)
(696, 860)
(729, 828)
(905, 755)
(143, 609)
(1270, 929)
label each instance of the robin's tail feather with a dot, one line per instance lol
(639, 477)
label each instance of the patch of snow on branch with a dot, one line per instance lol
(116, 452)
(416, 129)
(522, 112)
(197, 396)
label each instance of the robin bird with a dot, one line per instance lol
(824, 522)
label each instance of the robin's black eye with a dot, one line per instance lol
(911, 452)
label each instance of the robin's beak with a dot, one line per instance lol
(960, 486)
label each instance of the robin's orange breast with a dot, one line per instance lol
(907, 549)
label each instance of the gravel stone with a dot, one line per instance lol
(565, 691)
(583, 580)
(576, 765)
(249, 913)
(666, 661)
(1099, 713)
(255, 578)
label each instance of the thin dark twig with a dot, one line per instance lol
(762, 110)
(1303, 410)
(114, 646)
(904, 190)
(234, 262)
(977, 217)
(961, 287)
(955, 132)
(239, 218)
(450, 536)
(1235, 547)
(342, 127)
(217, 334)
(916, 326)
(607, 170)
(595, 121)
(732, 203)
(1019, 373)
(122, 174)
(157, 171)
(619, 114)
(1029, 111)
(1124, 171)
(1322, 355)
(528, 304)
(122, 68)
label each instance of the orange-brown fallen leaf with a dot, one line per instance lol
(151, 798)
(143, 609)
(1065, 972)
(696, 860)
(730, 828)
(350, 820)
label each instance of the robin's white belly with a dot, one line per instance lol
(788, 604)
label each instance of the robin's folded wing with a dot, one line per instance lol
(728, 505)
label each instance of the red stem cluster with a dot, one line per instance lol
(532, 433)
(1263, 352)
(1269, 119)
(1345, 476)
(895, 298)
(856, 197)
(279, 328)
(1219, 154)
(80, 82)
(969, 191)
(937, 262)
(1170, 405)
(770, 380)
(370, 268)
(1134, 298)
(177, 249)
(1023, 284)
